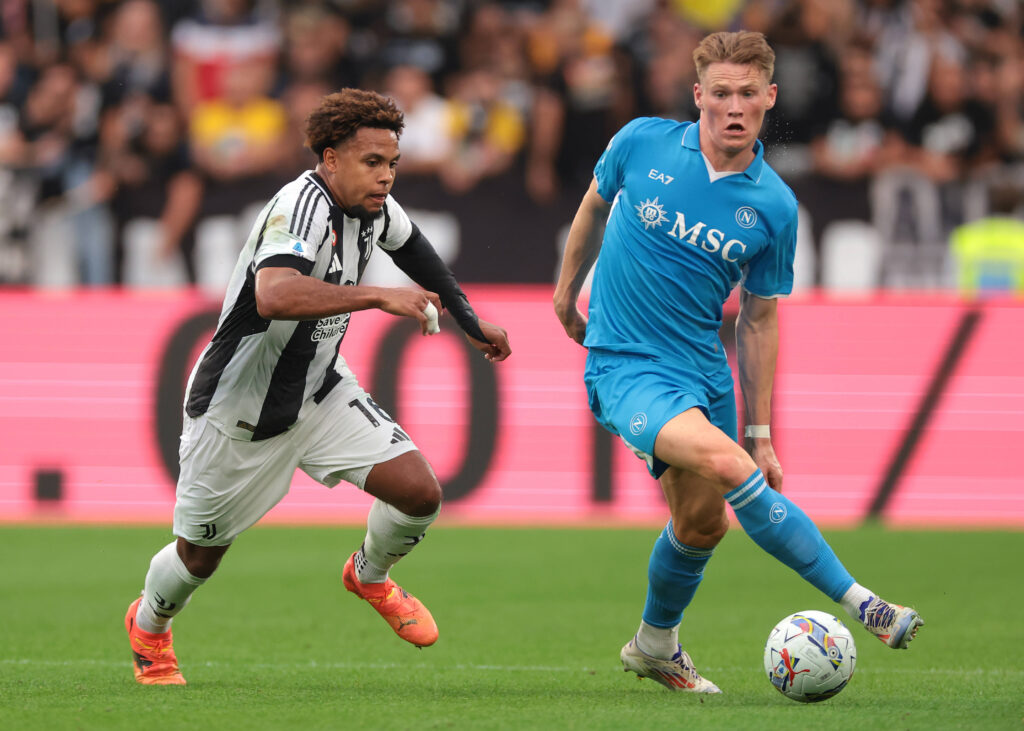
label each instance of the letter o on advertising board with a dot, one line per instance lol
(175, 364)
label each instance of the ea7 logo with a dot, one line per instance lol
(655, 175)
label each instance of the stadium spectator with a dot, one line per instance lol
(909, 35)
(989, 251)
(14, 85)
(317, 48)
(938, 151)
(807, 71)
(486, 131)
(422, 33)
(146, 173)
(576, 58)
(222, 36)
(1010, 105)
(136, 60)
(496, 39)
(17, 185)
(238, 140)
(663, 75)
(300, 98)
(428, 141)
(846, 153)
(59, 127)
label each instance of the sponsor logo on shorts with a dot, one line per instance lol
(638, 423)
(777, 513)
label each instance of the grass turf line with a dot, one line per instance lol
(531, 624)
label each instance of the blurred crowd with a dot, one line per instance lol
(128, 125)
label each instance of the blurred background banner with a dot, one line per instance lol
(905, 408)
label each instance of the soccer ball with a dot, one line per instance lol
(810, 656)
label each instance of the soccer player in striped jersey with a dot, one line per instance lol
(688, 211)
(271, 393)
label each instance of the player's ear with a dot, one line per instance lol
(331, 159)
(773, 90)
(697, 95)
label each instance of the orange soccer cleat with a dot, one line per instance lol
(405, 613)
(155, 662)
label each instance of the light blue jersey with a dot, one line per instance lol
(677, 243)
(679, 238)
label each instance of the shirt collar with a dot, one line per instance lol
(691, 141)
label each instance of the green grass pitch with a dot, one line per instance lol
(531, 625)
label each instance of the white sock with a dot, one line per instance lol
(169, 587)
(390, 534)
(660, 642)
(856, 600)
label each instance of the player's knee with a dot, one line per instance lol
(729, 469)
(422, 498)
(717, 529)
(203, 566)
(200, 561)
(702, 529)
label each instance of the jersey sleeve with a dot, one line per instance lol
(292, 233)
(610, 168)
(397, 226)
(770, 273)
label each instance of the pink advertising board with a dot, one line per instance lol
(908, 408)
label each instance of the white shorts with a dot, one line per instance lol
(226, 485)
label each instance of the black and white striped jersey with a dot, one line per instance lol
(257, 377)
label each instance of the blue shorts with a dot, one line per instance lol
(635, 396)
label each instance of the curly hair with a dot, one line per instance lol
(341, 114)
(741, 47)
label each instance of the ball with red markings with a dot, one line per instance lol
(810, 656)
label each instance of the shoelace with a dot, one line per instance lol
(678, 659)
(879, 617)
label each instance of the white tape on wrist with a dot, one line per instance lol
(757, 431)
(433, 328)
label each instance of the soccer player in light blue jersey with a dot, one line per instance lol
(688, 211)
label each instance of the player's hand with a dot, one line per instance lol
(497, 349)
(764, 456)
(574, 322)
(410, 302)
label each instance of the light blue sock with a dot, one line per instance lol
(673, 574)
(781, 528)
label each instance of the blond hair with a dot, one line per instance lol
(742, 47)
